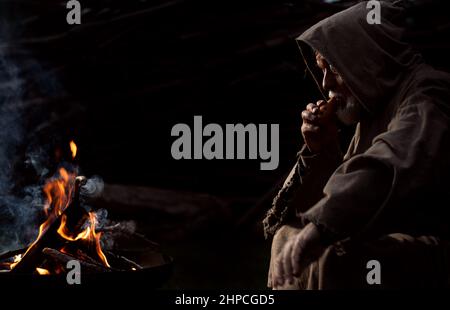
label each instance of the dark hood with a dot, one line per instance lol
(372, 59)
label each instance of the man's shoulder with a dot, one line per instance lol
(429, 80)
(428, 86)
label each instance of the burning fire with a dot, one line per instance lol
(88, 234)
(63, 231)
(58, 192)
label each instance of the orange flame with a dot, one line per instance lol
(63, 231)
(97, 237)
(88, 235)
(58, 192)
(73, 148)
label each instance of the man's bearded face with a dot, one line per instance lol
(348, 108)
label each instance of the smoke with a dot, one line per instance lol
(15, 217)
(20, 209)
(11, 133)
(93, 187)
(111, 230)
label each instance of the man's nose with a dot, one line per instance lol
(328, 81)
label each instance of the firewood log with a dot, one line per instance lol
(63, 259)
(122, 262)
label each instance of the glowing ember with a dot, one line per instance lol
(42, 271)
(17, 259)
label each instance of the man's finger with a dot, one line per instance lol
(279, 271)
(310, 128)
(297, 254)
(287, 265)
(321, 103)
(313, 108)
(308, 116)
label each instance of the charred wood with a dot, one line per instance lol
(63, 259)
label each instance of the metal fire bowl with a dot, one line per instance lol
(157, 269)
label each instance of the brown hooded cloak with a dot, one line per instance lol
(393, 177)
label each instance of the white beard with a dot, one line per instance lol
(349, 111)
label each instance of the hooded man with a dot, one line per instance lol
(378, 216)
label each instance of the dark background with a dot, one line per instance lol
(118, 82)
